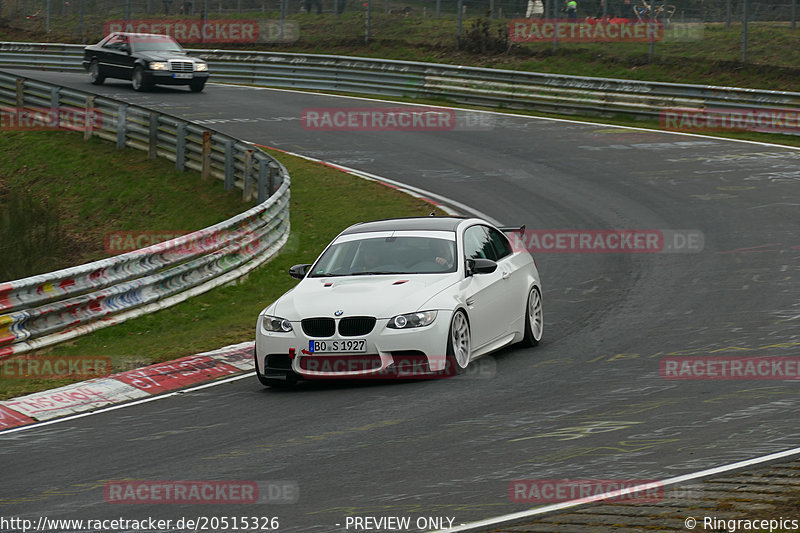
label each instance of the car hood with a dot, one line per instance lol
(155, 55)
(380, 296)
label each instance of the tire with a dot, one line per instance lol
(197, 86)
(289, 382)
(138, 81)
(534, 318)
(95, 75)
(459, 344)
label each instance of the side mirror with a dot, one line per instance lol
(480, 266)
(125, 48)
(299, 271)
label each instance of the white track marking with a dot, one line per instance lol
(491, 523)
(518, 115)
(128, 404)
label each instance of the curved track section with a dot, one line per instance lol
(589, 402)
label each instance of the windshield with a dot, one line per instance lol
(160, 44)
(387, 255)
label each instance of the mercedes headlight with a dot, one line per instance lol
(412, 320)
(274, 323)
(158, 65)
(201, 66)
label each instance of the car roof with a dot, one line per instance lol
(407, 224)
(157, 36)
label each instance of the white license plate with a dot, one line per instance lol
(183, 75)
(338, 346)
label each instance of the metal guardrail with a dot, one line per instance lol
(228, 159)
(471, 85)
(48, 308)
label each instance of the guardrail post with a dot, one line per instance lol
(274, 170)
(205, 171)
(20, 93)
(122, 123)
(263, 176)
(229, 165)
(55, 94)
(89, 123)
(152, 142)
(248, 170)
(180, 147)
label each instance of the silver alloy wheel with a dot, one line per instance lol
(459, 339)
(535, 314)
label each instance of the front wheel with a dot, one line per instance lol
(95, 76)
(534, 318)
(138, 80)
(459, 348)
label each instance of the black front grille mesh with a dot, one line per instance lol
(319, 327)
(355, 326)
(181, 66)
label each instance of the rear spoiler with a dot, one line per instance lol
(512, 229)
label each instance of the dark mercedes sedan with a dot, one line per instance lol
(146, 59)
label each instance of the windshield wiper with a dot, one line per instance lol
(375, 273)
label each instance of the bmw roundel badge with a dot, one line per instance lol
(338, 312)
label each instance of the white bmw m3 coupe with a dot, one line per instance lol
(408, 297)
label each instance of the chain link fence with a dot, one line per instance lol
(476, 25)
(16, 11)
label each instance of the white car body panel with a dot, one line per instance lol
(495, 305)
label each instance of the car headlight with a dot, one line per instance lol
(275, 323)
(201, 66)
(412, 320)
(158, 65)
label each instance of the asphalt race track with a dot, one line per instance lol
(589, 402)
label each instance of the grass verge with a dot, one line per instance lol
(90, 190)
(324, 201)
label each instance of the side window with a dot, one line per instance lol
(116, 42)
(500, 242)
(477, 244)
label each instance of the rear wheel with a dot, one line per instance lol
(138, 80)
(95, 76)
(459, 348)
(197, 85)
(534, 318)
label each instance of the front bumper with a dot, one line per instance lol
(166, 77)
(390, 353)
